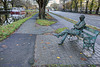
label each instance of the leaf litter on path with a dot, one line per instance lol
(47, 43)
(4, 46)
(84, 59)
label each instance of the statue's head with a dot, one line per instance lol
(82, 17)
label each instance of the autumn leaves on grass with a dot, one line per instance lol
(7, 30)
(46, 22)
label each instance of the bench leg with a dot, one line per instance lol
(63, 39)
(93, 48)
(83, 45)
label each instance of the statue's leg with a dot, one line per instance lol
(63, 39)
(60, 34)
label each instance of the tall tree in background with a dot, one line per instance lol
(87, 1)
(76, 5)
(5, 4)
(64, 7)
(71, 5)
(63, 4)
(54, 6)
(80, 6)
(42, 5)
(91, 6)
(97, 10)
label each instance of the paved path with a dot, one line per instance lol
(18, 49)
(47, 50)
(90, 19)
(35, 41)
(63, 23)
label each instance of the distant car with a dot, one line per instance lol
(18, 12)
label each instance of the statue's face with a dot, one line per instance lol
(81, 18)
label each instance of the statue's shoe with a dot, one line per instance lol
(56, 35)
(60, 43)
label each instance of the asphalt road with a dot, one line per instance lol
(89, 19)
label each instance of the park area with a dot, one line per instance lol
(49, 33)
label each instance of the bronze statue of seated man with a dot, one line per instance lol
(78, 27)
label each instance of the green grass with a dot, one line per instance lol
(46, 22)
(73, 21)
(7, 30)
(60, 30)
(43, 22)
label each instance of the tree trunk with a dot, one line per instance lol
(91, 6)
(64, 5)
(71, 5)
(86, 6)
(97, 10)
(41, 12)
(42, 4)
(80, 6)
(5, 5)
(76, 7)
(0, 20)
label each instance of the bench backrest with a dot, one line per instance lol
(91, 32)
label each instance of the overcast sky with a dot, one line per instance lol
(53, 1)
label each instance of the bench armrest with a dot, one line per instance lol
(89, 39)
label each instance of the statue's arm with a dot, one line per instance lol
(80, 25)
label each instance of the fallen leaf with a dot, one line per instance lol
(17, 44)
(47, 42)
(44, 47)
(4, 46)
(41, 42)
(35, 46)
(58, 57)
(30, 34)
(35, 61)
(80, 53)
(84, 59)
(47, 34)
(3, 31)
(1, 58)
(70, 56)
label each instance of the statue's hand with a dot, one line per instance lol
(72, 28)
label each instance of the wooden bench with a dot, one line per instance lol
(89, 37)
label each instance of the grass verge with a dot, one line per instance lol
(7, 30)
(60, 30)
(43, 22)
(73, 21)
(46, 22)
